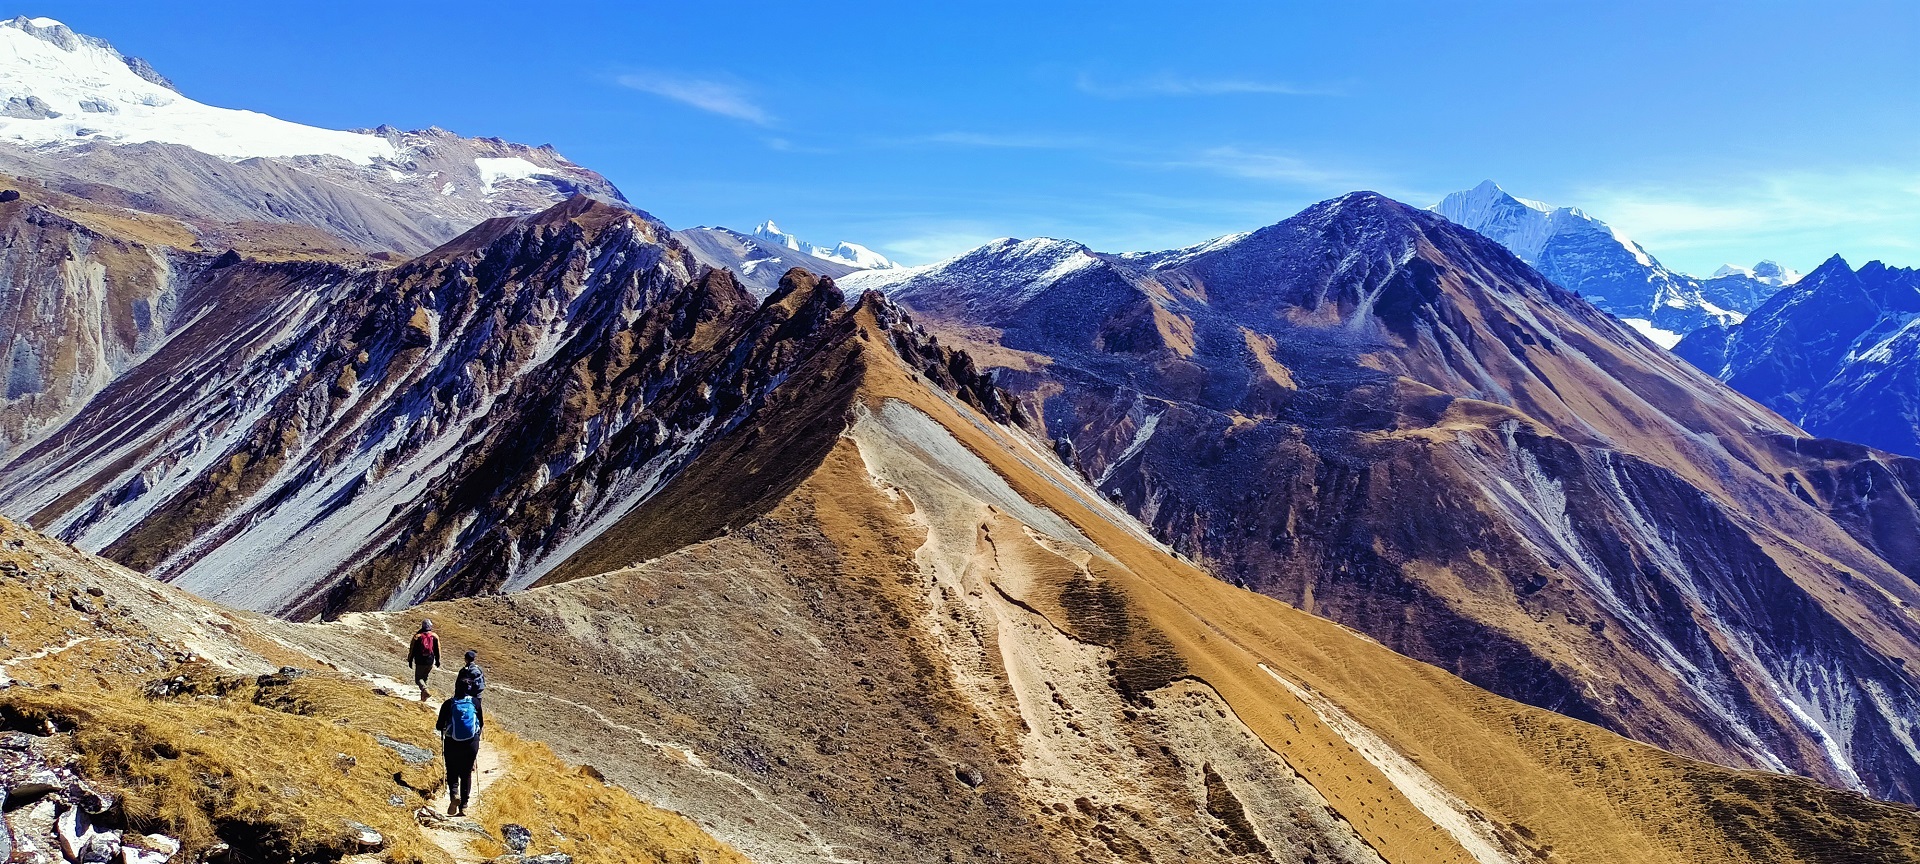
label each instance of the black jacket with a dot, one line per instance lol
(475, 679)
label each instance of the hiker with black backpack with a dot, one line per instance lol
(472, 677)
(459, 726)
(424, 656)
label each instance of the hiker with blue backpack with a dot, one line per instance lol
(459, 726)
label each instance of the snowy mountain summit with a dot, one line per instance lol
(1765, 272)
(1606, 266)
(850, 254)
(64, 89)
(76, 112)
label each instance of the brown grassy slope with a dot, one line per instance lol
(265, 781)
(168, 702)
(124, 219)
(818, 682)
(593, 825)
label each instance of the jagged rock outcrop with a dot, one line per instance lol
(1377, 416)
(457, 425)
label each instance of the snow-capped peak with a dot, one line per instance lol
(850, 254)
(1766, 272)
(63, 89)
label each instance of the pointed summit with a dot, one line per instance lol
(1600, 262)
(850, 254)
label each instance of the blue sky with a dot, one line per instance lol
(1715, 132)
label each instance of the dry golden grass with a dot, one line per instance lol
(276, 771)
(277, 767)
(598, 823)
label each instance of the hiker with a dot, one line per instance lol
(474, 677)
(424, 656)
(459, 727)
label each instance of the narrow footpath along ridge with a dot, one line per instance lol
(176, 731)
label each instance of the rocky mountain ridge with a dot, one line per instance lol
(458, 424)
(983, 535)
(1587, 535)
(938, 643)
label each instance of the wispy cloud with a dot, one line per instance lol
(1174, 85)
(1266, 165)
(1001, 141)
(936, 243)
(1797, 217)
(715, 97)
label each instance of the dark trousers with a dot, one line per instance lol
(460, 756)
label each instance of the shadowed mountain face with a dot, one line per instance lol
(1380, 417)
(1835, 352)
(359, 438)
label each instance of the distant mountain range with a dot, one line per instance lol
(850, 254)
(762, 257)
(1833, 351)
(1838, 352)
(1608, 268)
(758, 263)
(1247, 550)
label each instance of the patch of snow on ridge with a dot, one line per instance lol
(1663, 338)
(75, 89)
(1140, 438)
(494, 170)
(989, 280)
(1174, 257)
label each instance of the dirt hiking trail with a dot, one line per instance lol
(457, 834)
